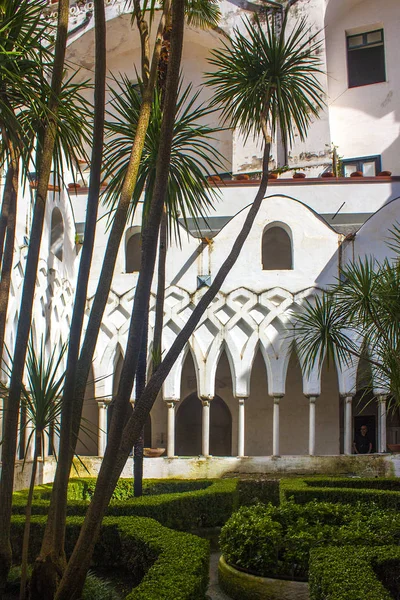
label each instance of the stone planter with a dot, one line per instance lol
(242, 586)
(394, 448)
(299, 176)
(153, 452)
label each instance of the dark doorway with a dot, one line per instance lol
(189, 427)
(370, 422)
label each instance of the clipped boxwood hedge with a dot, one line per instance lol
(174, 565)
(208, 507)
(271, 541)
(350, 573)
(253, 490)
(344, 490)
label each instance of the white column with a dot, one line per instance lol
(31, 448)
(205, 445)
(241, 417)
(45, 453)
(311, 430)
(171, 429)
(382, 424)
(102, 431)
(275, 427)
(348, 425)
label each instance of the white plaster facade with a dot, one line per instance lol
(237, 390)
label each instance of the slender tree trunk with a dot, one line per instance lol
(28, 514)
(140, 385)
(52, 550)
(5, 207)
(28, 291)
(73, 580)
(159, 318)
(118, 227)
(8, 255)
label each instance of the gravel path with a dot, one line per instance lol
(214, 592)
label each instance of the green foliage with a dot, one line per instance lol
(193, 153)
(366, 301)
(384, 493)
(276, 541)
(208, 506)
(251, 491)
(172, 564)
(354, 573)
(266, 74)
(97, 588)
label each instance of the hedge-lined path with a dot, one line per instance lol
(214, 592)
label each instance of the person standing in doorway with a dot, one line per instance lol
(362, 443)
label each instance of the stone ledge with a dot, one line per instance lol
(242, 586)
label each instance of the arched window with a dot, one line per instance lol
(133, 250)
(57, 234)
(276, 250)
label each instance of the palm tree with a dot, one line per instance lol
(16, 83)
(357, 317)
(41, 399)
(188, 193)
(280, 85)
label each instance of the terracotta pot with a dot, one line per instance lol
(214, 179)
(385, 174)
(327, 174)
(272, 175)
(242, 177)
(394, 447)
(299, 175)
(357, 174)
(153, 452)
(74, 186)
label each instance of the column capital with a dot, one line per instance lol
(103, 403)
(205, 402)
(382, 397)
(241, 399)
(169, 401)
(348, 397)
(312, 397)
(277, 397)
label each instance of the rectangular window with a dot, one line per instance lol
(369, 166)
(366, 58)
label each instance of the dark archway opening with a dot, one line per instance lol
(276, 250)
(189, 427)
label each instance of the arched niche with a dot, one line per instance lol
(189, 427)
(57, 234)
(276, 248)
(88, 433)
(133, 250)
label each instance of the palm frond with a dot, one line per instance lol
(193, 155)
(204, 14)
(268, 73)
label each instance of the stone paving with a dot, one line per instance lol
(214, 592)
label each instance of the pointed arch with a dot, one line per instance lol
(57, 234)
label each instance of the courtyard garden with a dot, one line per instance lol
(334, 538)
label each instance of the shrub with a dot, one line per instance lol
(251, 491)
(97, 588)
(304, 490)
(173, 564)
(276, 541)
(355, 573)
(208, 506)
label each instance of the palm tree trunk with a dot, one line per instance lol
(8, 255)
(28, 514)
(78, 370)
(5, 207)
(159, 317)
(72, 582)
(140, 385)
(53, 539)
(28, 291)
